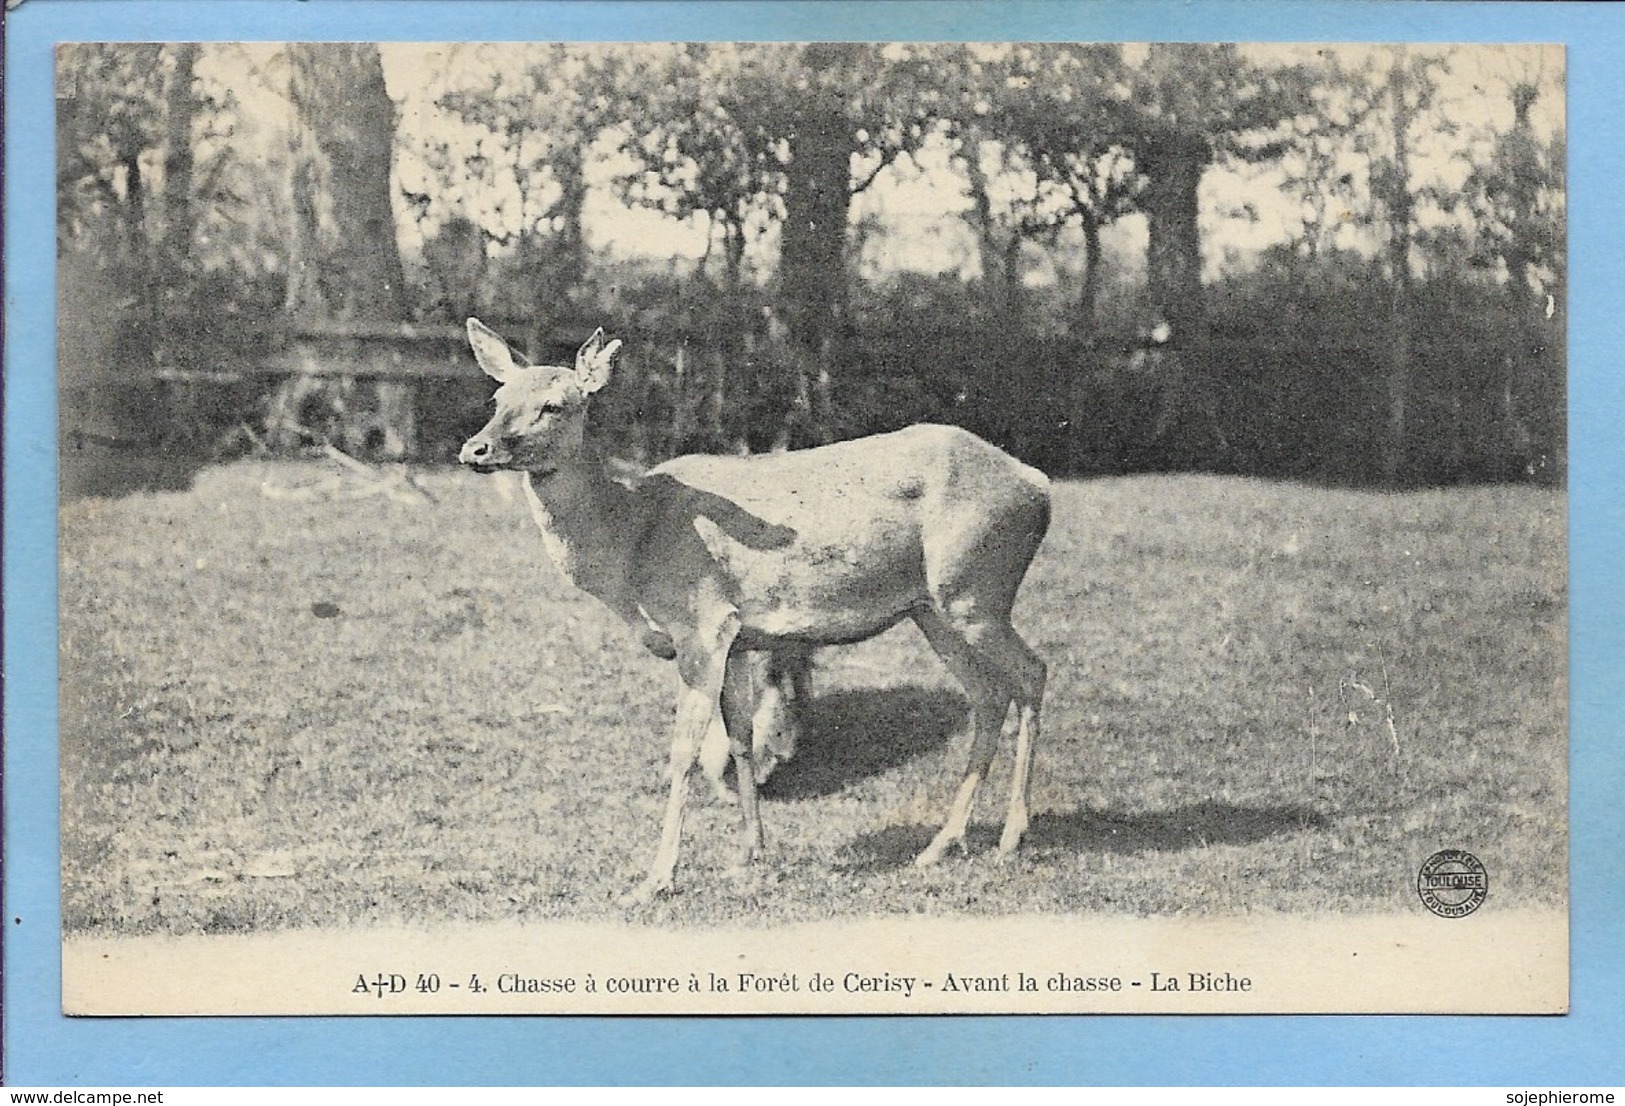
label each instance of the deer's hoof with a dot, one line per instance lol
(935, 851)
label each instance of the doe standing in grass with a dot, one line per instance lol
(710, 558)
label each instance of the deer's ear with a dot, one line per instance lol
(493, 354)
(592, 361)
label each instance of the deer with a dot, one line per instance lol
(714, 559)
(782, 685)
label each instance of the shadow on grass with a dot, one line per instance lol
(104, 467)
(861, 732)
(1096, 831)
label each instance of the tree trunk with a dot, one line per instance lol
(135, 217)
(990, 251)
(1187, 423)
(733, 257)
(344, 136)
(1523, 306)
(1397, 374)
(1173, 165)
(1010, 281)
(817, 203)
(345, 263)
(179, 109)
(1090, 292)
(572, 208)
(171, 250)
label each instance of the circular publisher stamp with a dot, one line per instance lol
(1452, 883)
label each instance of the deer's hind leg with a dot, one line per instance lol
(1028, 674)
(991, 694)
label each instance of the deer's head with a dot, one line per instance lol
(541, 415)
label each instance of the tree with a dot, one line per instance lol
(110, 108)
(1049, 112)
(541, 108)
(127, 284)
(1174, 111)
(850, 111)
(241, 206)
(175, 240)
(1401, 205)
(348, 264)
(1352, 162)
(1328, 151)
(707, 145)
(1517, 194)
(1182, 108)
(111, 131)
(751, 136)
(125, 155)
(1409, 93)
(345, 262)
(821, 140)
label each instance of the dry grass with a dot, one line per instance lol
(1263, 697)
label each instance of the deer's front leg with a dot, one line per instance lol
(701, 663)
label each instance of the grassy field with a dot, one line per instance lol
(1262, 697)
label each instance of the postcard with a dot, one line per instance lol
(812, 528)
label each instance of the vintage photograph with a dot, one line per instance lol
(812, 528)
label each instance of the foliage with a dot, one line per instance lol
(156, 189)
(1516, 193)
(1053, 143)
(1034, 120)
(166, 260)
(1326, 155)
(1183, 107)
(709, 141)
(110, 120)
(755, 137)
(1211, 94)
(539, 110)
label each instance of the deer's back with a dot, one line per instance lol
(913, 465)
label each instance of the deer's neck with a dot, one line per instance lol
(589, 527)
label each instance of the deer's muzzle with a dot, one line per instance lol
(480, 453)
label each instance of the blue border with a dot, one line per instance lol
(41, 1047)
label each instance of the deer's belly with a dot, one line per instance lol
(817, 628)
(837, 613)
(835, 608)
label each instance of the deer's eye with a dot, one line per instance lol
(541, 414)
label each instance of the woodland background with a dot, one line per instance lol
(1356, 253)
